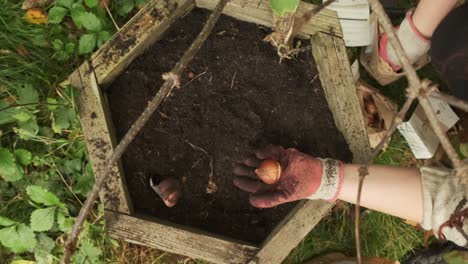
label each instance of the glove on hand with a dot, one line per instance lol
(414, 44)
(302, 177)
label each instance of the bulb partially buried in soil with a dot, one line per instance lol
(169, 189)
(269, 171)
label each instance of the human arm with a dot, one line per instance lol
(392, 190)
(429, 13)
(415, 31)
(430, 196)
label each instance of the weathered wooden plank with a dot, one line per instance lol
(94, 119)
(340, 90)
(178, 239)
(290, 232)
(145, 28)
(259, 12)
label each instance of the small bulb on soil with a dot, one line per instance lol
(169, 189)
(190, 75)
(269, 171)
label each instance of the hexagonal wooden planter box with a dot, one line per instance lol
(144, 29)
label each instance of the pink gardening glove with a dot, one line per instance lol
(414, 43)
(301, 177)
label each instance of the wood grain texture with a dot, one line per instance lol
(144, 29)
(94, 117)
(259, 12)
(340, 90)
(177, 239)
(292, 230)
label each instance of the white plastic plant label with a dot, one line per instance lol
(418, 132)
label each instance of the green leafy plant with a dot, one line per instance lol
(88, 17)
(281, 7)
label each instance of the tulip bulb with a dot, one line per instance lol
(269, 171)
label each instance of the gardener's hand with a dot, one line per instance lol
(302, 177)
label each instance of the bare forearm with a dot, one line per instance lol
(429, 13)
(391, 190)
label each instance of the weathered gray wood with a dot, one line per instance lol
(290, 232)
(94, 119)
(337, 81)
(131, 40)
(259, 12)
(340, 90)
(178, 239)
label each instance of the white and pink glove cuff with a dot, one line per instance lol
(413, 42)
(332, 180)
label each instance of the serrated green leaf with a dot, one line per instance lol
(27, 130)
(91, 22)
(22, 116)
(27, 94)
(42, 219)
(42, 251)
(103, 36)
(77, 10)
(63, 118)
(56, 14)
(84, 182)
(281, 7)
(24, 157)
(5, 221)
(9, 170)
(87, 43)
(6, 115)
(71, 165)
(87, 253)
(64, 222)
(65, 3)
(91, 3)
(124, 7)
(41, 196)
(18, 238)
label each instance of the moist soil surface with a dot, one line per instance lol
(235, 97)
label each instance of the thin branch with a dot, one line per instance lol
(110, 15)
(452, 100)
(172, 80)
(309, 15)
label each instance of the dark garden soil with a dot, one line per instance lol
(235, 97)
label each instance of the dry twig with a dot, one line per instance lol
(172, 80)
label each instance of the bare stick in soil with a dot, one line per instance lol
(172, 80)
